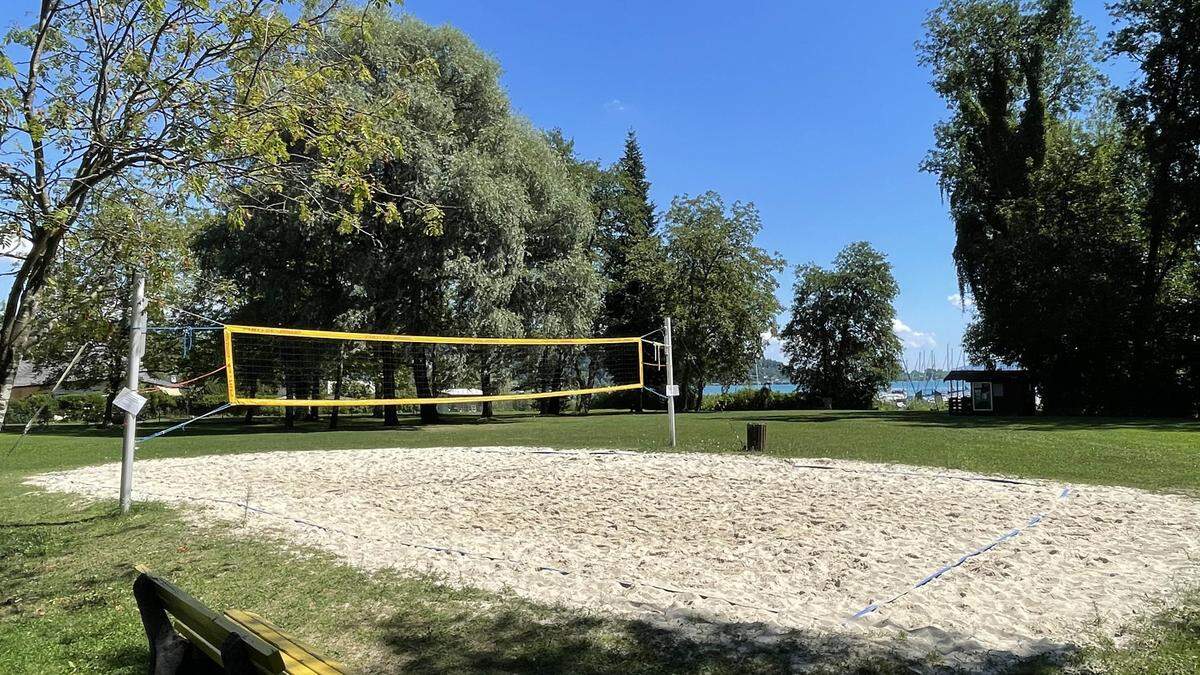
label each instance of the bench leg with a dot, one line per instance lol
(170, 652)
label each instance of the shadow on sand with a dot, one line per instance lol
(510, 642)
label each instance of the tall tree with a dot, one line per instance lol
(1044, 195)
(173, 95)
(1161, 110)
(627, 225)
(480, 227)
(839, 340)
(1076, 223)
(719, 289)
(1006, 76)
(86, 301)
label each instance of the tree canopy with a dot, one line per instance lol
(1072, 201)
(717, 286)
(839, 340)
(184, 99)
(506, 253)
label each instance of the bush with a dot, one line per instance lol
(761, 399)
(20, 411)
(87, 408)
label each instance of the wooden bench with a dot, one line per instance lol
(202, 641)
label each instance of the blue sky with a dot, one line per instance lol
(816, 112)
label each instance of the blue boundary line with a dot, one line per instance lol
(1033, 521)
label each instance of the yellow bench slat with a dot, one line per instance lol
(298, 657)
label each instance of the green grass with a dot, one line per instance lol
(65, 570)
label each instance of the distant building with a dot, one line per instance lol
(461, 406)
(30, 381)
(991, 392)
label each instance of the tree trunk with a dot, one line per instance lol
(314, 389)
(106, 420)
(21, 307)
(251, 409)
(337, 391)
(113, 387)
(289, 412)
(388, 357)
(485, 386)
(423, 379)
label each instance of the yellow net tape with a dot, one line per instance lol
(294, 367)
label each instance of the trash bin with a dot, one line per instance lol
(756, 436)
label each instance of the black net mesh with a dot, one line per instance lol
(361, 370)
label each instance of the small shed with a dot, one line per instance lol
(991, 392)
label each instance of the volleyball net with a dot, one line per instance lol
(292, 367)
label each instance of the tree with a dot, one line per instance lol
(1161, 111)
(85, 304)
(479, 228)
(719, 289)
(174, 96)
(1047, 188)
(626, 226)
(284, 274)
(839, 340)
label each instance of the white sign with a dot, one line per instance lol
(130, 401)
(672, 390)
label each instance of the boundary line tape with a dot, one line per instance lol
(1033, 521)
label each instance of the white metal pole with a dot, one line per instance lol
(670, 379)
(137, 347)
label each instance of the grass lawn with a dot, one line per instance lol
(65, 570)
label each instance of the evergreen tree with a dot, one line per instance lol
(634, 205)
(627, 226)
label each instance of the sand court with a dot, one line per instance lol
(778, 544)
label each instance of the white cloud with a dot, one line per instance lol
(15, 247)
(616, 105)
(913, 339)
(13, 250)
(772, 348)
(961, 302)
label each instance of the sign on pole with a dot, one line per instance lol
(129, 400)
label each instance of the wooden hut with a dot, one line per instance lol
(991, 392)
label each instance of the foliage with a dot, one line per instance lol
(627, 229)
(86, 301)
(1161, 114)
(1052, 196)
(718, 287)
(86, 408)
(506, 256)
(177, 97)
(626, 222)
(839, 340)
(762, 399)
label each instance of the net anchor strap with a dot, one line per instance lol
(183, 424)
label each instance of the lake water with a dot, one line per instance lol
(903, 385)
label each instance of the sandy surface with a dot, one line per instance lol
(673, 538)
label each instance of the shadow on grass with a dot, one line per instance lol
(275, 425)
(514, 641)
(126, 658)
(948, 421)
